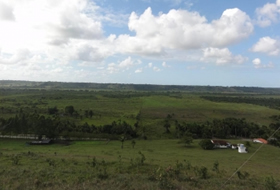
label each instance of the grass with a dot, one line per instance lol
(188, 107)
(166, 162)
(72, 164)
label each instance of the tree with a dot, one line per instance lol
(122, 139)
(187, 139)
(90, 113)
(206, 144)
(167, 126)
(53, 110)
(86, 113)
(69, 110)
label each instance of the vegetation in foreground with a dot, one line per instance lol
(156, 164)
(132, 162)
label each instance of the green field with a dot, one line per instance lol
(159, 162)
(109, 106)
(61, 167)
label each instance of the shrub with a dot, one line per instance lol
(270, 183)
(206, 144)
(15, 159)
(216, 167)
(203, 172)
(248, 144)
(244, 175)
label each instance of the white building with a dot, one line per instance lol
(242, 148)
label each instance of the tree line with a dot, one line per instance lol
(55, 126)
(273, 103)
(223, 129)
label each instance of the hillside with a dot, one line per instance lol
(134, 87)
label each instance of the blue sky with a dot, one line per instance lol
(180, 42)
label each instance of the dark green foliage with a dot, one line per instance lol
(53, 110)
(167, 126)
(187, 139)
(142, 158)
(93, 162)
(122, 139)
(274, 142)
(270, 183)
(102, 173)
(15, 159)
(139, 161)
(269, 102)
(216, 167)
(102, 170)
(222, 128)
(203, 172)
(206, 144)
(247, 144)
(69, 110)
(86, 113)
(118, 128)
(14, 85)
(90, 113)
(241, 175)
(52, 127)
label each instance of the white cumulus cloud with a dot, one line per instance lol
(268, 14)
(59, 30)
(140, 70)
(126, 64)
(267, 45)
(258, 64)
(164, 64)
(182, 29)
(221, 56)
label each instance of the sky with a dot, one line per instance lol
(168, 42)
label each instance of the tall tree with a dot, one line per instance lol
(69, 110)
(167, 126)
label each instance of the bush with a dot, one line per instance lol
(270, 183)
(206, 144)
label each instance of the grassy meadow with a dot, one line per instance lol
(153, 107)
(159, 162)
(101, 164)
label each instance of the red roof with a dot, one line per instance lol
(262, 140)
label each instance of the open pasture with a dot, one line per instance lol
(151, 107)
(157, 163)
(99, 163)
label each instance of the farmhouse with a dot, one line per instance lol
(260, 140)
(221, 144)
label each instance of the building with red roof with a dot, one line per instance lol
(260, 140)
